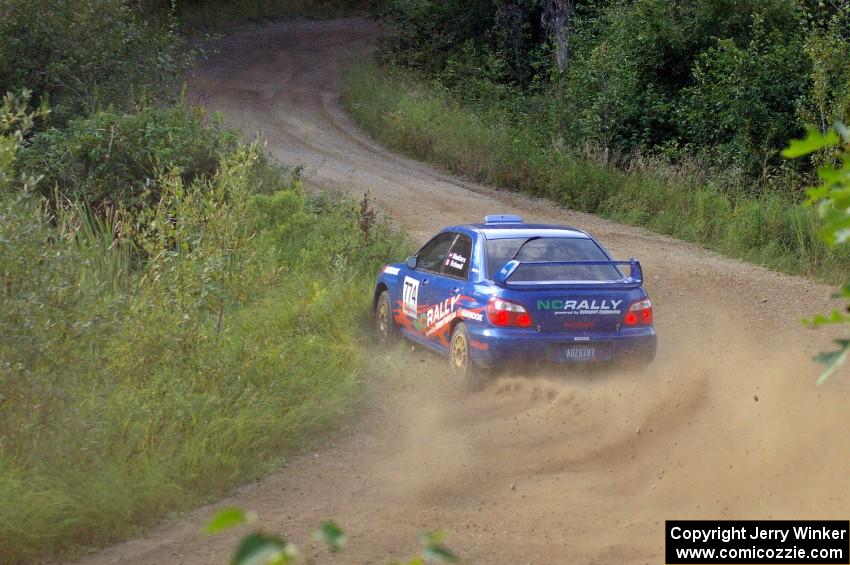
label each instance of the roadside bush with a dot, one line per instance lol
(15, 122)
(722, 82)
(718, 81)
(81, 55)
(176, 314)
(828, 48)
(742, 104)
(112, 158)
(130, 388)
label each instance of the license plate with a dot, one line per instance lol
(578, 353)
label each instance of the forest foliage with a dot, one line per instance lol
(726, 82)
(669, 115)
(176, 314)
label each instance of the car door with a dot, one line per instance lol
(415, 287)
(446, 288)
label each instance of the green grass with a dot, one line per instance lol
(424, 121)
(152, 361)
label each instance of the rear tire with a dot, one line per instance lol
(470, 377)
(384, 322)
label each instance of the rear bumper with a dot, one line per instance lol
(491, 346)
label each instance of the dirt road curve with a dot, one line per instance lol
(543, 470)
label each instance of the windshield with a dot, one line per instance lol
(500, 251)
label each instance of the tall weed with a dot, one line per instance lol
(152, 359)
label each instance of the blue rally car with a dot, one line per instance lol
(506, 291)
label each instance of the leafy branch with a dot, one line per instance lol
(832, 199)
(260, 548)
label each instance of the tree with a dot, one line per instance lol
(511, 28)
(556, 20)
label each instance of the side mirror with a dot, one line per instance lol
(411, 262)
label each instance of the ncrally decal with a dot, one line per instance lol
(410, 297)
(581, 307)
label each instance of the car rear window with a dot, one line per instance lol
(500, 251)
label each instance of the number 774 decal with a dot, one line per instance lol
(410, 297)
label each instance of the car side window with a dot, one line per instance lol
(457, 260)
(431, 256)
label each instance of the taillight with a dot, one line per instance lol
(507, 314)
(639, 313)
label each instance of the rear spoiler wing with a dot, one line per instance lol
(633, 280)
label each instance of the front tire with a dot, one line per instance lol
(384, 323)
(470, 377)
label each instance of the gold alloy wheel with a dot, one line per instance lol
(460, 353)
(383, 319)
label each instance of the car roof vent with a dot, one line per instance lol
(502, 219)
